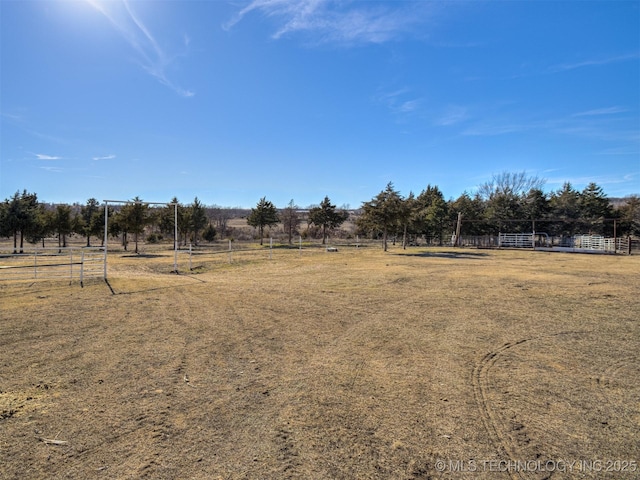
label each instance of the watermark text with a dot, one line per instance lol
(516, 466)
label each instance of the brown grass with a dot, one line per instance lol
(356, 364)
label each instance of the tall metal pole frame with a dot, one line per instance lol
(106, 235)
(175, 228)
(175, 238)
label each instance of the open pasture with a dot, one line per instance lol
(416, 364)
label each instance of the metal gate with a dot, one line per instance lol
(72, 263)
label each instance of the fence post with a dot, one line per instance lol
(35, 263)
(229, 250)
(82, 269)
(190, 258)
(270, 247)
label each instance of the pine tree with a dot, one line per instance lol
(264, 215)
(327, 216)
(384, 213)
(198, 218)
(595, 208)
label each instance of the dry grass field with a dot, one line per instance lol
(416, 364)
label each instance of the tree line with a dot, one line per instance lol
(509, 202)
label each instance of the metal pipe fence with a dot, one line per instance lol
(40, 263)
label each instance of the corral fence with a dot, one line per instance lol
(39, 263)
(542, 241)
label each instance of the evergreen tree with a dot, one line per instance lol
(594, 209)
(565, 206)
(134, 217)
(20, 218)
(167, 220)
(198, 218)
(89, 226)
(46, 224)
(536, 208)
(384, 213)
(327, 217)
(63, 223)
(209, 233)
(264, 215)
(629, 215)
(472, 210)
(431, 215)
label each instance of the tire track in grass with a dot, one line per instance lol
(481, 384)
(480, 379)
(610, 373)
(621, 374)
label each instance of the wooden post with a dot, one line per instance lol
(458, 227)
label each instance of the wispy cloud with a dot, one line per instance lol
(150, 56)
(398, 101)
(591, 62)
(106, 157)
(52, 169)
(41, 156)
(624, 150)
(602, 180)
(342, 22)
(408, 106)
(597, 124)
(12, 117)
(490, 129)
(601, 111)
(452, 115)
(525, 72)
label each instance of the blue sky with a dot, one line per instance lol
(231, 101)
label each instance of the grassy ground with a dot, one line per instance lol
(424, 363)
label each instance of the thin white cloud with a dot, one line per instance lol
(493, 129)
(106, 157)
(453, 115)
(624, 150)
(409, 106)
(52, 169)
(392, 95)
(593, 62)
(12, 117)
(602, 180)
(601, 111)
(41, 156)
(150, 56)
(558, 68)
(399, 101)
(339, 22)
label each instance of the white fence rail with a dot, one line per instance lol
(72, 263)
(577, 243)
(516, 240)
